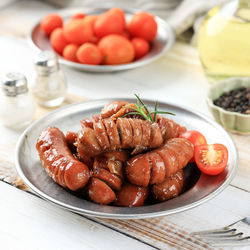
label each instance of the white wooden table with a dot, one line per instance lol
(27, 222)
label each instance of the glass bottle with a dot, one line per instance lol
(49, 87)
(17, 106)
(224, 41)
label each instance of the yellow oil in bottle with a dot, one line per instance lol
(224, 41)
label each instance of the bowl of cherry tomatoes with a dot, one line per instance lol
(101, 39)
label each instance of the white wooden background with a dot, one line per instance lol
(27, 222)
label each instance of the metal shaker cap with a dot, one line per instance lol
(14, 84)
(46, 62)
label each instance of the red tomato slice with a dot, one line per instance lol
(195, 137)
(211, 159)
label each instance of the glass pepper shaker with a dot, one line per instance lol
(17, 106)
(49, 87)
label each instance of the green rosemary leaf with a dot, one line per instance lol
(142, 110)
(156, 105)
(162, 112)
(131, 108)
(131, 113)
(144, 106)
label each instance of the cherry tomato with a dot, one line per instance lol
(69, 52)
(118, 11)
(116, 49)
(125, 34)
(143, 25)
(77, 31)
(50, 23)
(110, 22)
(141, 47)
(195, 137)
(94, 39)
(58, 41)
(91, 19)
(211, 159)
(78, 16)
(89, 53)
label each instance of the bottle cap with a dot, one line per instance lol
(14, 84)
(46, 62)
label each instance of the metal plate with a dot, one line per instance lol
(162, 43)
(67, 118)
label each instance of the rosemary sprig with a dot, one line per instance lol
(141, 108)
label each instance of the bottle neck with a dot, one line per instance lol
(243, 10)
(244, 4)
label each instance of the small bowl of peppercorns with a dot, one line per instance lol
(229, 102)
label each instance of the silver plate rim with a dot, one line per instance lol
(124, 216)
(106, 68)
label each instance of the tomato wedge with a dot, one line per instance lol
(211, 159)
(195, 137)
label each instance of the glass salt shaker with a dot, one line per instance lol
(17, 106)
(49, 87)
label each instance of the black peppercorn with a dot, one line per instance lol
(237, 100)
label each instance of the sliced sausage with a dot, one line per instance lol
(125, 132)
(71, 139)
(111, 179)
(87, 143)
(100, 192)
(146, 134)
(138, 170)
(136, 131)
(170, 188)
(169, 128)
(124, 110)
(131, 196)
(58, 160)
(112, 133)
(112, 108)
(171, 160)
(101, 135)
(118, 155)
(86, 123)
(158, 170)
(156, 136)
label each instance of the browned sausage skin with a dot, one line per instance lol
(105, 143)
(147, 168)
(124, 133)
(170, 188)
(100, 192)
(58, 160)
(71, 138)
(112, 108)
(131, 196)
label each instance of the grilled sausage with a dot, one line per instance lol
(131, 196)
(169, 128)
(107, 176)
(125, 133)
(58, 160)
(112, 108)
(170, 188)
(155, 166)
(71, 139)
(100, 192)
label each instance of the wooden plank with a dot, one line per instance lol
(28, 222)
(174, 230)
